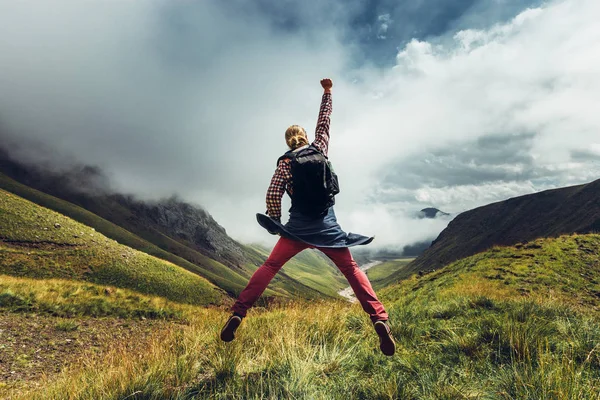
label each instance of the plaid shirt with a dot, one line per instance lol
(282, 178)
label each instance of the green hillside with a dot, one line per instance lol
(549, 213)
(68, 298)
(565, 269)
(312, 268)
(511, 323)
(162, 246)
(39, 243)
(382, 275)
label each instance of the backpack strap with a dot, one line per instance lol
(316, 149)
(292, 154)
(287, 156)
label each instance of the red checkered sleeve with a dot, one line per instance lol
(280, 182)
(322, 132)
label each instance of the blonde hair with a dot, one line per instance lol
(295, 136)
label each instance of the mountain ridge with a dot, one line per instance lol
(549, 213)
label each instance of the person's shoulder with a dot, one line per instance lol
(284, 161)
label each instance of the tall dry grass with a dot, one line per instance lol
(460, 347)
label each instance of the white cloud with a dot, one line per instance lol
(538, 73)
(196, 102)
(384, 22)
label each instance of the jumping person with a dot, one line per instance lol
(306, 175)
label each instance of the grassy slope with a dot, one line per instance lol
(217, 273)
(509, 323)
(32, 245)
(379, 275)
(60, 341)
(550, 213)
(154, 243)
(67, 298)
(46, 324)
(566, 269)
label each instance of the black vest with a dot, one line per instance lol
(314, 183)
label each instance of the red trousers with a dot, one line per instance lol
(286, 249)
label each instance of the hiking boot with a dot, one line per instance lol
(227, 333)
(386, 340)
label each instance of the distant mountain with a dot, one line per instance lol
(574, 209)
(188, 224)
(86, 186)
(431, 212)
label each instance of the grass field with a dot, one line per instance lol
(39, 243)
(511, 323)
(565, 269)
(66, 298)
(379, 275)
(46, 324)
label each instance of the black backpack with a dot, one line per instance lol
(314, 182)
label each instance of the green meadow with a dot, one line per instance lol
(516, 322)
(380, 275)
(40, 243)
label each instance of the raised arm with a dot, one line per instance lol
(322, 132)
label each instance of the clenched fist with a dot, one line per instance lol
(326, 84)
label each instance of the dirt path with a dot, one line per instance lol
(348, 293)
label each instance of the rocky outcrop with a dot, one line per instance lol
(171, 224)
(188, 224)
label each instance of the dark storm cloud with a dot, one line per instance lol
(493, 158)
(377, 29)
(382, 27)
(586, 155)
(293, 17)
